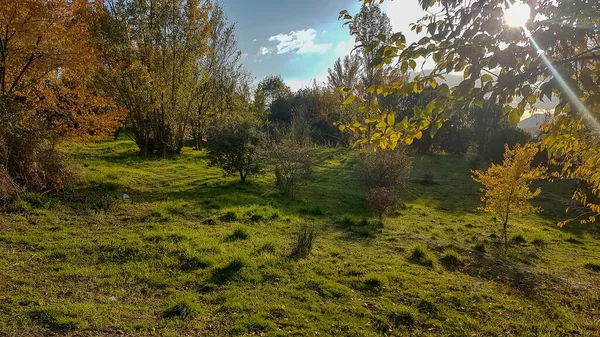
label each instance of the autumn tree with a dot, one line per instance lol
(507, 186)
(515, 64)
(47, 89)
(151, 52)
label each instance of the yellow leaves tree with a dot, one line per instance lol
(507, 186)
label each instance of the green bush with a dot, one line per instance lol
(233, 147)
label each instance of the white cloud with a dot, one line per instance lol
(344, 48)
(254, 40)
(264, 51)
(299, 42)
(297, 84)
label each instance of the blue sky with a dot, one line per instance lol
(301, 39)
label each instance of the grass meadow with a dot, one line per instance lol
(198, 254)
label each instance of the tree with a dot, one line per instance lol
(513, 66)
(225, 83)
(272, 88)
(369, 25)
(47, 89)
(151, 53)
(507, 186)
(233, 147)
(346, 73)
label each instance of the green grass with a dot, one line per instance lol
(197, 253)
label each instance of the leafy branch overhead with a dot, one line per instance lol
(517, 67)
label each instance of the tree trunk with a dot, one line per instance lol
(505, 234)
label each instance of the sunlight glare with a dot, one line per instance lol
(517, 15)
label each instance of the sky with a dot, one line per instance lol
(301, 39)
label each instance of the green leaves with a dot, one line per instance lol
(349, 100)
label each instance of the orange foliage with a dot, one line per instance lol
(45, 58)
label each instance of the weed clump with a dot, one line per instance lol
(184, 307)
(593, 266)
(451, 259)
(363, 228)
(238, 234)
(428, 179)
(228, 217)
(304, 241)
(519, 239)
(403, 316)
(55, 320)
(539, 242)
(375, 283)
(420, 254)
(268, 247)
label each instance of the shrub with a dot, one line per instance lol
(305, 241)
(29, 162)
(420, 254)
(451, 259)
(291, 164)
(384, 174)
(233, 147)
(381, 199)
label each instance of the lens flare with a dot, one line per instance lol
(517, 15)
(587, 115)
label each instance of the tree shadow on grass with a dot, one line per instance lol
(506, 269)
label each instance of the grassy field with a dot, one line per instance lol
(198, 254)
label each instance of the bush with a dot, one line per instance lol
(420, 254)
(381, 199)
(305, 241)
(233, 148)
(29, 161)
(384, 174)
(291, 163)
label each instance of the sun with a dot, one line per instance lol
(517, 15)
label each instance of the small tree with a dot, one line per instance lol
(233, 148)
(384, 174)
(507, 186)
(291, 163)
